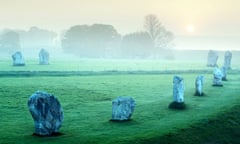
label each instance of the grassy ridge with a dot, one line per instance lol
(107, 65)
(94, 73)
(223, 128)
(86, 101)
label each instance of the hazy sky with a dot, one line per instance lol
(204, 17)
(209, 17)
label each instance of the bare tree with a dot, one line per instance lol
(161, 37)
(153, 26)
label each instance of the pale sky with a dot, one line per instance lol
(204, 17)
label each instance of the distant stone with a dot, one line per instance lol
(18, 59)
(217, 77)
(199, 86)
(47, 113)
(178, 93)
(122, 108)
(43, 57)
(212, 58)
(227, 59)
(224, 73)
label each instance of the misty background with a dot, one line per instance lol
(119, 29)
(104, 41)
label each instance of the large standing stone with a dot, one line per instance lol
(178, 89)
(227, 59)
(224, 73)
(178, 93)
(122, 108)
(199, 86)
(212, 58)
(43, 57)
(18, 59)
(47, 113)
(217, 77)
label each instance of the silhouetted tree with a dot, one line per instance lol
(137, 45)
(161, 37)
(153, 26)
(9, 41)
(90, 41)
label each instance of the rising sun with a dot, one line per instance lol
(190, 28)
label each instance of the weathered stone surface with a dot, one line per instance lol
(47, 113)
(18, 59)
(227, 59)
(199, 85)
(212, 58)
(224, 73)
(122, 108)
(43, 57)
(178, 93)
(217, 77)
(178, 89)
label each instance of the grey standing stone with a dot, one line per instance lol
(224, 73)
(178, 93)
(43, 57)
(199, 85)
(122, 108)
(47, 113)
(18, 59)
(217, 77)
(212, 58)
(227, 59)
(178, 89)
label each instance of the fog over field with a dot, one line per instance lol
(119, 29)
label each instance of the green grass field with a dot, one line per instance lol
(85, 88)
(109, 65)
(86, 101)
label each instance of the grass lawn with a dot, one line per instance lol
(106, 65)
(86, 101)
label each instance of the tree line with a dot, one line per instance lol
(95, 41)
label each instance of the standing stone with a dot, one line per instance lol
(224, 73)
(178, 93)
(199, 86)
(47, 113)
(122, 108)
(212, 58)
(43, 57)
(227, 59)
(217, 77)
(178, 89)
(18, 59)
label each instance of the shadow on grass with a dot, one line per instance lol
(215, 85)
(123, 123)
(120, 121)
(178, 106)
(55, 134)
(199, 94)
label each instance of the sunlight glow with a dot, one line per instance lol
(190, 28)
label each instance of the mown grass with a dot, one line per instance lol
(86, 101)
